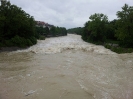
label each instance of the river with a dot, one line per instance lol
(66, 68)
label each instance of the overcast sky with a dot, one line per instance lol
(70, 13)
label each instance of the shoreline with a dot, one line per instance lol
(10, 49)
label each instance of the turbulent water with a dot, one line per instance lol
(66, 68)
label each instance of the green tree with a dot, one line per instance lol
(77, 30)
(86, 32)
(63, 31)
(15, 23)
(58, 31)
(40, 30)
(125, 26)
(53, 31)
(95, 29)
(46, 30)
(111, 27)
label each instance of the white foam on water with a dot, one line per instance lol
(84, 68)
(59, 44)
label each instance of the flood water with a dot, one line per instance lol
(66, 68)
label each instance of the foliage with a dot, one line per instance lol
(111, 27)
(42, 37)
(50, 31)
(95, 29)
(119, 49)
(58, 31)
(78, 30)
(17, 41)
(107, 31)
(53, 31)
(17, 28)
(119, 31)
(86, 32)
(46, 30)
(40, 30)
(124, 31)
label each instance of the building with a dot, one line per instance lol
(43, 24)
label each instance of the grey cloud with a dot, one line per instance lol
(70, 13)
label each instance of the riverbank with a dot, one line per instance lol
(114, 47)
(7, 49)
(118, 49)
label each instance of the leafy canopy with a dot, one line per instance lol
(95, 28)
(15, 23)
(125, 25)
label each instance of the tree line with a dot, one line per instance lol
(52, 31)
(118, 32)
(18, 28)
(78, 30)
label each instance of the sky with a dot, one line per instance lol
(70, 13)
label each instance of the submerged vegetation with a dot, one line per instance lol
(118, 32)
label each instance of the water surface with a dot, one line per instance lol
(66, 68)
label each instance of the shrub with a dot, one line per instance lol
(42, 37)
(29, 43)
(33, 40)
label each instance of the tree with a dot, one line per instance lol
(63, 31)
(46, 30)
(15, 23)
(77, 30)
(95, 29)
(40, 30)
(53, 31)
(111, 27)
(86, 32)
(125, 26)
(58, 31)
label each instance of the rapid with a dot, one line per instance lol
(66, 68)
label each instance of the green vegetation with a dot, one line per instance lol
(96, 29)
(17, 28)
(78, 30)
(41, 37)
(124, 32)
(115, 35)
(40, 31)
(118, 49)
(58, 31)
(52, 32)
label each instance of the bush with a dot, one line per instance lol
(2, 45)
(29, 43)
(118, 50)
(21, 31)
(33, 40)
(8, 43)
(42, 37)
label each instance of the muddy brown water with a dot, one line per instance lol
(66, 68)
